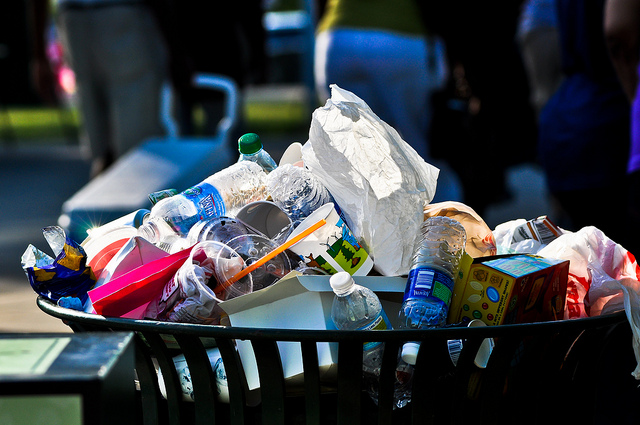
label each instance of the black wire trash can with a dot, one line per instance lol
(564, 372)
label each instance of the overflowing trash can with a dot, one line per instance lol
(328, 288)
(537, 373)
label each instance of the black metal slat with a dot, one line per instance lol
(311, 382)
(465, 371)
(427, 398)
(272, 386)
(235, 380)
(349, 382)
(493, 385)
(148, 379)
(202, 379)
(170, 377)
(387, 382)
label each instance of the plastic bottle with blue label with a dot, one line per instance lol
(434, 266)
(223, 193)
(251, 149)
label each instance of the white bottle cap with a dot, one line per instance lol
(410, 352)
(341, 282)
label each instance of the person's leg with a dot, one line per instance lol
(77, 31)
(541, 57)
(388, 72)
(134, 64)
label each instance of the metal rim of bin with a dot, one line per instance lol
(327, 335)
(566, 350)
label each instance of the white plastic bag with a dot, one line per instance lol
(603, 278)
(377, 179)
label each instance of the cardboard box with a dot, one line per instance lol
(516, 288)
(301, 302)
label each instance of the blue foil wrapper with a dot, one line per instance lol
(66, 275)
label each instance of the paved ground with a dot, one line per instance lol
(34, 183)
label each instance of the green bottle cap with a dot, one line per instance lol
(249, 144)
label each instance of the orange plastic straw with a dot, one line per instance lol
(271, 254)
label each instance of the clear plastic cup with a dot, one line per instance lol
(220, 229)
(252, 248)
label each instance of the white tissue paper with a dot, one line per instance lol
(376, 178)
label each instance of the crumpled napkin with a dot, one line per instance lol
(377, 179)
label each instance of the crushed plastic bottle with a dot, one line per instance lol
(223, 193)
(296, 191)
(251, 149)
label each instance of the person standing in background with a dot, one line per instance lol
(622, 33)
(382, 51)
(484, 122)
(117, 53)
(537, 36)
(584, 128)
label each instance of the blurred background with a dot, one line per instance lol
(42, 165)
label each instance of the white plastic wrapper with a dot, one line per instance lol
(603, 278)
(377, 179)
(193, 293)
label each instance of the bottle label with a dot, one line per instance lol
(208, 202)
(380, 323)
(426, 283)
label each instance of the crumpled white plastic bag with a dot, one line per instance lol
(377, 179)
(190, 297)
(603, 278)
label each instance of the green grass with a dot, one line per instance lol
(42, 125)
(38, 124)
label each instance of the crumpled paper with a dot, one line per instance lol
(66, 275)
(377, 179)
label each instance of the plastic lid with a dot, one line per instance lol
(410, 352)
(341, 282)
(249, 144)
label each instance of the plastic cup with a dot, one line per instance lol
(252, 248)
(264, 216)
(332, 247)
(220, 229)
(292, 155)
(227, 263)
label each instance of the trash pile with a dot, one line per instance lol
(354, 201)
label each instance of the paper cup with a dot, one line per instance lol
(292, 155)
(264, 216)
(332, 247)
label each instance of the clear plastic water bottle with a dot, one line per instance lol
(435, 263)
(159, 195)
(297, 191)
(358, 308)
(223, 193)
(251, 149)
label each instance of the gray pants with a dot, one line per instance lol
(119, 61)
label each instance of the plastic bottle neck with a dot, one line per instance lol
(150, 231)
(342, 284)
